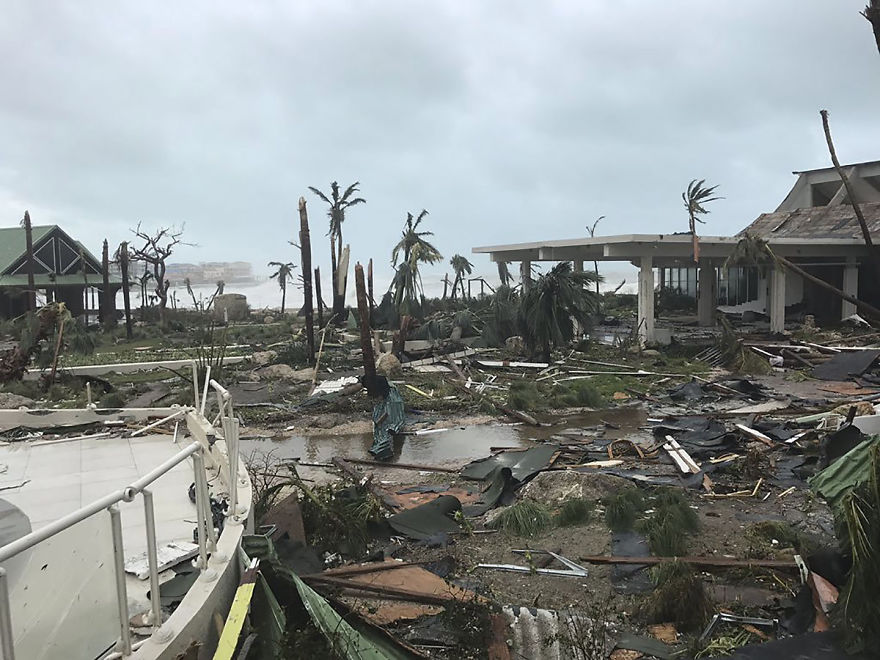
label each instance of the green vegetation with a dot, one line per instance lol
(623, 508)
(679, 596)
(525, 518)
(577, 511)
(667, 528)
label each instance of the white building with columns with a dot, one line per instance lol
(814, 226)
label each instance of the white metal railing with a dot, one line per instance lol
(206, 534)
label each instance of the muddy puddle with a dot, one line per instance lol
(454, 446)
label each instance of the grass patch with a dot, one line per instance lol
(577, 511)
(525, 395)
(668, 526)
(622, 509)
(577, 393)
(768, 531)
(679, 596)
(525, 518)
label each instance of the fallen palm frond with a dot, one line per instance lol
(574, 512)
(525, 518)
(725, 644)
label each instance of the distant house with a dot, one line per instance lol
(64, 271)
(814, 226)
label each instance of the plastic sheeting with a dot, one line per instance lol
(389, 417)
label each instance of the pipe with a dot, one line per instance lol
(205, 390)
(160, 422)
(230, 431)
(152, 558)
(195, 371)
(199, 468)
(121, 592)
(7, 645)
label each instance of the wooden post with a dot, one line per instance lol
(29, 242)
(318, 300)
(123, 266)
(370, 286)
(306, 259)
(364, 313)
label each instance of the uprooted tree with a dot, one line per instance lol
(154, 253)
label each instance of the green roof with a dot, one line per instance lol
(13, 243)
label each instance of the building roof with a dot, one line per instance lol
(13, 243)
(836, 221)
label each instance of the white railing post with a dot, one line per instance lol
(195, 370)
(121, 592)
(153, 559)
(230, 432)
(205, 390)
(7, 645)
(202, 532)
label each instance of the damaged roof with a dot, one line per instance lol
(837, 221)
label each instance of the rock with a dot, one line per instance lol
(268, 319)
(515, 345)
(231, 306)
(388, 365)
(651, 352)
(284, 372)
(12, 401)
(263, 357)
(554, 488)
(456, 333)
(325, 421)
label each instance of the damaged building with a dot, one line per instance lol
(814, 227)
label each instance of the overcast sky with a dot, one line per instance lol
(508, 120)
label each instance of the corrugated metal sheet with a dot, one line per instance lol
(547, 634)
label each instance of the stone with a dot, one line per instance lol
(13, 401)
(264, 357)
(456, 333)
(268, 319)
(284, 372)
(388, 365)
(325, 421)
(231, 306)
(515, 345)
(651, 352)
(554, 488)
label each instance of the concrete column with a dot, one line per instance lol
(850, 286)
(707, 296)
(577, 266)
(525, 274)
(646, 300)
(777, 300)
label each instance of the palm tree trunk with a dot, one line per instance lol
(866, 233)
(455, 286)
(106, 302)
(372, 300)
(305, 249)
(872, 13)
(366, 336)
(29, 255)
(283, 294)
(123, 266)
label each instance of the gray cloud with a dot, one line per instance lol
(508, 121)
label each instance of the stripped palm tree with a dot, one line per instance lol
(461, 267)
(872, 13)
(694, 198)
(415, 249)
(339, 205)
(284, 274)
(551, 306)
(504, 273)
